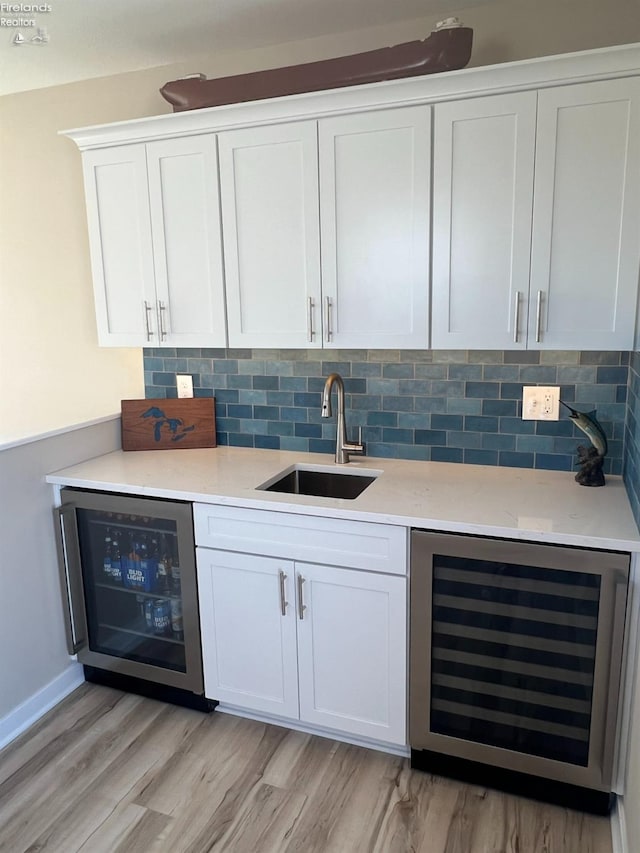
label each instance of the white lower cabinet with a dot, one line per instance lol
(319, 644)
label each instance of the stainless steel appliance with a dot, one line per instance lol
(515, 664)
(129, 586)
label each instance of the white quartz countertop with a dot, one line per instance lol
(517, 503)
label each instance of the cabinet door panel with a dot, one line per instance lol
(586, 218)
(269, 186)
(483, 185)
(374, 197)
(183, 190)
(248, 646)
(352, 652)
(120, 240)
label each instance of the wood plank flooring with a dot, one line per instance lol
(109, 772)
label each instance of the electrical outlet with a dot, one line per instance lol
(541, 403)
(185, 385)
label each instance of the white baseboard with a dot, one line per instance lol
(619, 842)
(29, 711)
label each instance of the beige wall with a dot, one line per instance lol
(52, 373)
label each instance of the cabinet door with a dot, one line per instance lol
(248, 644)
(586, 217)
(269, 187)
(120, 241)
(374, 207)
(352, 651)
(482, 196)
(185, 218)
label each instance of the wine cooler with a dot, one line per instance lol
(515, 664)
(129, 588)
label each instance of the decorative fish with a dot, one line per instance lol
(587, 422)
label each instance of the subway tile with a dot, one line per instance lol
(484, 390)
(155, 393)
(558, 357)
(279, 368)
(398, 404)
(464, 439)
(383, 386)
(600, 357)
(228, 424)
(206, 392)
(421, 452)
(239, 353)
(225, 366)
(466, 372)
(239, 410)
(172, 393)
(368, 402)
(501, 408)
(416, 355)
(267, 442)
(294, 443)
(535, 443)
(480, 424)
(151, 363)
(266, 413)
(308, 430)
(447, 422)
(437, 405)
(307, 368)
(511, 390)
(462, 406)
(621, 394)
(386, 451)
(515, 459)
(222, 439)
(164, 379)
(199, 365)
(500, 372)
(280, 398)
(383, 419)
(554, 461)
(522, 357)
(413, 420)
(321, 445)
(554, 428)
(253, 427)
(447, 454)
(370, 434)
(595, 394)
(450, 356)
(397, 436)
(364, 369)
(315, 384)
(498, 441)
(431, 371)
(206, 352)
(253, 367)
(341, 367)
(266, 383)
(447, 388)
(235, 380)
(256, 398)
(431, 436)
(415, 387)
(612, 375)
(294, 413)
(398, 370)
(355, 386)
(383, 355)
(225, 395)
(579, 374)
(540, 374)
(480, 457)
(480, 356)
(239, 439)
(293, 383)
(309, 400)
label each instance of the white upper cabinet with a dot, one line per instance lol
(269, 188)
(375, 227)
(121, 250)
(155, 243)
(482, 190)
(586, 217)
(536, 219)
(187, 249)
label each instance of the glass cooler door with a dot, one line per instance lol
(137, 573)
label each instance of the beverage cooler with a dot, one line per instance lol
(129, 590)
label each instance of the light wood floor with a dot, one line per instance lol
(108, 772)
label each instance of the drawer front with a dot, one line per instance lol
(332, 541)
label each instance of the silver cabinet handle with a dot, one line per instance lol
(611, 717)
(538, 316)
(329, 305)
(310, 330)
(283, 602)
(301, 605)
(161, 311)
(516, 318)
(147, 309)
(65, 557)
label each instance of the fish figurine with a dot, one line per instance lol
(587, 422)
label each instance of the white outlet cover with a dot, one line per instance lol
(184, 384)
(541, 403)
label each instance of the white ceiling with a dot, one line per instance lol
(94, 38)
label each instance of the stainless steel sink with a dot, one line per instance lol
(326, 484)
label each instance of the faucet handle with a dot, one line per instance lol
(357, 446)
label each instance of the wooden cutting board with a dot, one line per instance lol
(168, 424)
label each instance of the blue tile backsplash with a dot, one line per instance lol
(440, 405)
(632, 437)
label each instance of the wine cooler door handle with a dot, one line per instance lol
(70, 577)
(615, 665)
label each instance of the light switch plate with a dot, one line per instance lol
(541, 403)
(184, 384)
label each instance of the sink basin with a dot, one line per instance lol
(326, 484)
